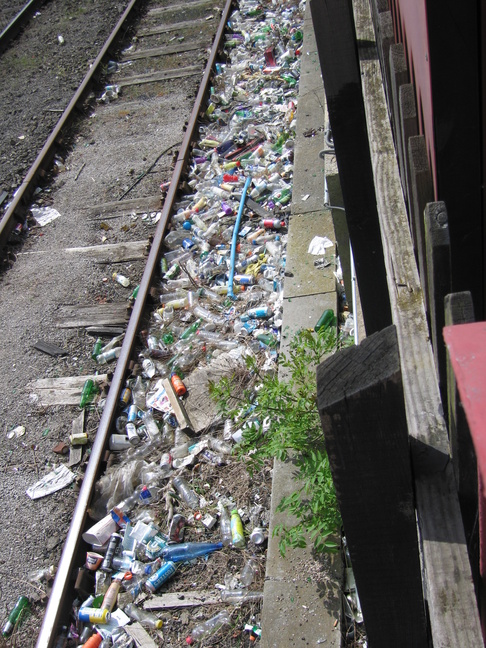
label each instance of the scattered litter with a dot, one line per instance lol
(44, 215)
(57, 479)
(319, 244)
(18, 431)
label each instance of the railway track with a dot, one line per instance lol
(138, 132)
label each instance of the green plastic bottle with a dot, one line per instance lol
(237, 533)
(20, 610)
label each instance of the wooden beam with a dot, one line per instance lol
(409, 128)
(163, 75)
(73, 316)
(162, 29)
(369, 456)
(422, 193)
(398, 77)
(62, 391)
(164, 50)
(448, 583)
(131, 204)
(336, 45)
(438, 255)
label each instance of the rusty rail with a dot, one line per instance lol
(59, 599)
(16, 24)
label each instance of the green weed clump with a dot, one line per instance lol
(281, 421)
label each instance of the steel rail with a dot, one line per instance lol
(16, 24)
(73, 546)
(18, 206)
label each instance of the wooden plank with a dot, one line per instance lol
(163, 29)
(137, 205)
(50, 349)
(385, 38)
(181, 599)
(409, 128)
(194, 4)
(165, 50)
(398, 77)
(163, 75)
(140, 635)
(61, 391)
(369, 456)
(336, 45)
(450, 595)
(106, 253)
(178, 408)
(459, 310)
(438, 254)
(100, 315)
(422, 193)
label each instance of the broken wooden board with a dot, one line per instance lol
(178, 408)
(107, 253)
(163, 75)
(200, 407)
(163, 51)
(137, 205)
(180, 7)
(181, 599)
(50, 349)
(76, 452)
(61, 391)
(71, 316)
(140, 635)
(163, 29)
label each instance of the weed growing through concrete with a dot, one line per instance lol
(280, 421)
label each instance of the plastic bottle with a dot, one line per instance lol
(218, 445)
(237, 533)
(224, 525)
(239, 596)
(249, 571)
(121, 279)
(189, 550)
(177, 384)
(209, 627)
(144, 617)
(186, 492)
(108, 356)
(22, 606)
(94, 641)
(111, 595)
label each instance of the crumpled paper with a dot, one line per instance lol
(319, 244)
(59, 478)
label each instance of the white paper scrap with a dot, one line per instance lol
(44, 215)
(319, 244)
(59, 478)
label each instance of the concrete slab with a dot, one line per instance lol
(302, 277)
(303, 312)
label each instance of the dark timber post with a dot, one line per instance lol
(362, 411)
(438, 256)
(337, 48)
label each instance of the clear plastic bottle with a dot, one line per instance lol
(209, 627)
(240, 596)
(249, 571)
(224, 525)
(186, 492)
(145, 618)
(121, 279)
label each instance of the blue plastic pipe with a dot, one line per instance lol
(231, 294)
